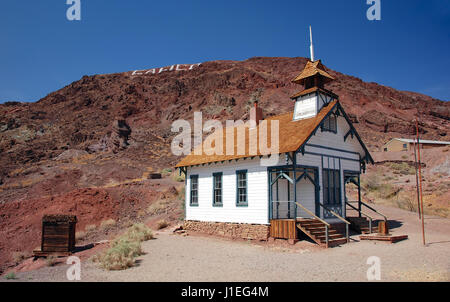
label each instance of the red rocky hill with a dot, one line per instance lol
(105, 130)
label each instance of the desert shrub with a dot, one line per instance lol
(120, 255)
(138, 232)
(389, 178)
(90, 228)
(18, 257)
(51, 260)
(166, 172)
(406, 201)
(158, 207)
(178, 178)
(371, 182)
(182, 193)
(80, 235)
(10, 276)
(403, 168)
(124, 248)
(387, 191)
(162, 224)
(107, 224)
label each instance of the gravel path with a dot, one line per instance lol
(195, 258)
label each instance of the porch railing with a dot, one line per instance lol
(369, 207)
(327, 225)
(367, 215)
(340, 218)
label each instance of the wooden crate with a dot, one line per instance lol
(58, 233)
(283, 228)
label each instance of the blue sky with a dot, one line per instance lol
(41, 51)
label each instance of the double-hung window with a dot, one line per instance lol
(217, 189)
(194, 190)
(331, 187)
(241, 187)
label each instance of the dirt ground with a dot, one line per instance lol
(199, 258)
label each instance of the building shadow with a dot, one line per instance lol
(83, 247)
(394, 224)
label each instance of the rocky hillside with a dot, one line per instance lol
(132, 114)
(108, 132)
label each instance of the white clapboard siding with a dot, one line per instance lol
(327, 144)
(257, 210)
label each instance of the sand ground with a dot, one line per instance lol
(199, 258)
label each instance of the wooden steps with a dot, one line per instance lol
(387, 238)
(315, 230)
(361, 225)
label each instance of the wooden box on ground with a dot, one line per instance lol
(58, 233)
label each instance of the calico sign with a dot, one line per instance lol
(176, 67)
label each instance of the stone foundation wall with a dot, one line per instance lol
(229, 230)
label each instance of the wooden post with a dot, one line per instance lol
(294, 164)
(383, 228)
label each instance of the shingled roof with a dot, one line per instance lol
(311, 69)
(293, 134)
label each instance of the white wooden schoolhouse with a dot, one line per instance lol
(320, 152)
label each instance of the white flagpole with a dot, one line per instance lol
(311, 47)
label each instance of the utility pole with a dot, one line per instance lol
(417, 180)
(420, 181)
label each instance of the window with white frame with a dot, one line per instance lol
(194, 190)
(217, 189)
(241, 188)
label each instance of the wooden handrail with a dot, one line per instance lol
(363, 203)
(356, 209)
(334, 213)
(311, 213)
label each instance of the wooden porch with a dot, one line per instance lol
(324, 234)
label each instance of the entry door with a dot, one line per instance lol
(308, 192)
(332, 194)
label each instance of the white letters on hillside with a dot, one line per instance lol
(176, 67)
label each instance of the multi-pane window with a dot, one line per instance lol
(194, 190)
(331, 187)
(330, 123)
(241, 194)
(217, 189)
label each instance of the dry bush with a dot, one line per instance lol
(90, 228)
(80, 235)
(107, 224)
(18, 257)
(178, 178)
(138, 232)
(166, 172)
(158, 207)
(371, 182)
(120, 255)
(403, 168)
(406, 201)
(51, 260)
(387, 191)
(10, 276)
(124, 249)
(162, 224)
